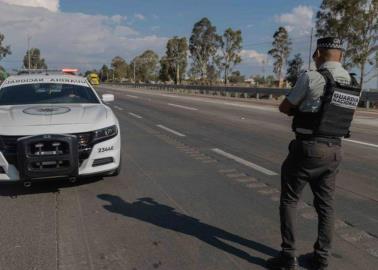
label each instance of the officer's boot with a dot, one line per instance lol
(282, 262)
(317, 263)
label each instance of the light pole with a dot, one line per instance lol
(134, 69)
(376, 67)
(29, 38)
(310, 50)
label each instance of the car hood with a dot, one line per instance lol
(51, 117)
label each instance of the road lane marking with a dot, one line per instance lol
(221, 102)
(135, 115)
(362, 143)
(209, 161)
(256, 185)
(244, 162)
(131, 96)
(268, 191)
(183, 107)
(246, 180)
(171, 131)
(118, 108)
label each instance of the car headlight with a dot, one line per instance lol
(105, 133)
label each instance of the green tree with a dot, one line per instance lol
(328, 18)
(259, 80)
(212, 74)
(203, 45)
(3, 74)
(173, 65)
(104, 73)
(145, 66)
(294, 69)
(165, 71)
(269, 80)
(264, 81)
(333, 19)
(36, 62)
(236, 77)
(356, 23)
(231, 46)
(120, 68)
(280, 51)
(4, 50)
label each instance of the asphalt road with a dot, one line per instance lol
(198, 190)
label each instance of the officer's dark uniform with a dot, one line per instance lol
(314, 156)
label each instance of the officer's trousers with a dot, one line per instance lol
(316, 163)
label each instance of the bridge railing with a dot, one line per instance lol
(368, 99)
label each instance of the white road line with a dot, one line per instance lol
(135, 115)
(118, 108)
(362, 143)
(183, 107)
(171, 130)
(221, 102)
(131, 96)
(244, 162)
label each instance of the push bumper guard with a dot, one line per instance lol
(47, 156)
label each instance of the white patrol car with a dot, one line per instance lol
(55, 125)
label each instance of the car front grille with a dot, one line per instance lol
(8, 145)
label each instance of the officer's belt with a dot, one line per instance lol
(310, 137)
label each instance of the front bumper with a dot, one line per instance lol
(104, 157)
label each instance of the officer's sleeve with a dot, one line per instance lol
(299, 91)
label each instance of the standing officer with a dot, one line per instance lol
(323, 103)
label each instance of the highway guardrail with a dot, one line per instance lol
(368, 99)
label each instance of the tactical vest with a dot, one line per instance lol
(334, 118)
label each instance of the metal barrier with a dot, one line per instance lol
(367, 100)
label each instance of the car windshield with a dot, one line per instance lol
(46, 93)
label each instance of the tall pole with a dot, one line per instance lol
(310, 49)
(263, 67)
(29, 38)
(376, 66)
(134, 70)
(177, 70)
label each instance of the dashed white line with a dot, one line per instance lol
(362, 143)
(135, 115)
(183, 107)
(118, 108)
(131, 96)
(171, 131)
(221, 102)
(244, 162)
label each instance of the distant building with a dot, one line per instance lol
(250, 81)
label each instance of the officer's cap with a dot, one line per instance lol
(329, 43)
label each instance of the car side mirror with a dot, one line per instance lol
(107, 97)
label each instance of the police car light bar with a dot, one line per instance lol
(72, 71)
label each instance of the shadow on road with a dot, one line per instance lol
(48, 186)
(148, 210)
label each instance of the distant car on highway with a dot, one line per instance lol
(93, 78)
(54, 125)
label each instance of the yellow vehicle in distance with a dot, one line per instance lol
(93, 78)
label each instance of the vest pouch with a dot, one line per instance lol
(338, 111)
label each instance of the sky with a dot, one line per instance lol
(89, 33)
